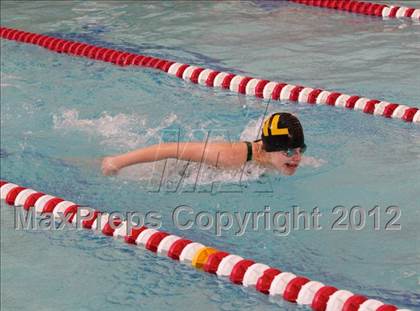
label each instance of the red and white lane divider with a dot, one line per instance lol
(246, 272)
(366, 8)
(212, 78)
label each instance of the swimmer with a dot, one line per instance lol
(281, 147)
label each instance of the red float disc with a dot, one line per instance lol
(409, 114)
(226, 81)
(238, 271)
(387, 308)
(259, 88)
(210, 78)
(353, 303)
(176, 248)
(352, 101)
(134, 233)
(181, 70)
(195, 74)
(332, 98)
(276, 91)
(319, 302)
(370, 106)
(153, 242)
(213, 261)
(11, 196)
(108, 230)
(87, 223)
(389, 110)
(30, 201)
(264, 282)
(242, 85)
(293, 288)
(313, 95)
(51, 204)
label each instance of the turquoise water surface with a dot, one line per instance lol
(61, 114)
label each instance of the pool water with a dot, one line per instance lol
(61, 114)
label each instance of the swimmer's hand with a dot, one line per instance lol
(109, 167)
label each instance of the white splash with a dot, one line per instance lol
(121, 130)
(171, 173)
(312, 162)
(252, 130)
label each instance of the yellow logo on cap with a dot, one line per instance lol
(274, 127)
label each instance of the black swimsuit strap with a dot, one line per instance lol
(249, 151)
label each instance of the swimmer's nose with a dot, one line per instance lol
(297, 156)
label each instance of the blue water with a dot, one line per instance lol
(60, 114)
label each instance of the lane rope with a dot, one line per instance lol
(238, 270)
(365, 8)
(236, 83)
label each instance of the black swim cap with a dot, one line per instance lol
(282, 131)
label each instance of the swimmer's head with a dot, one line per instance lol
(283, 141)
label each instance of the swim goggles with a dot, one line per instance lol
(290, 152)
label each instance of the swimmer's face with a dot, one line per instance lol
(287, 165)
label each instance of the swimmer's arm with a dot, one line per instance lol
(222, 154)
(216, 154)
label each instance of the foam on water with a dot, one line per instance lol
(121, 130)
